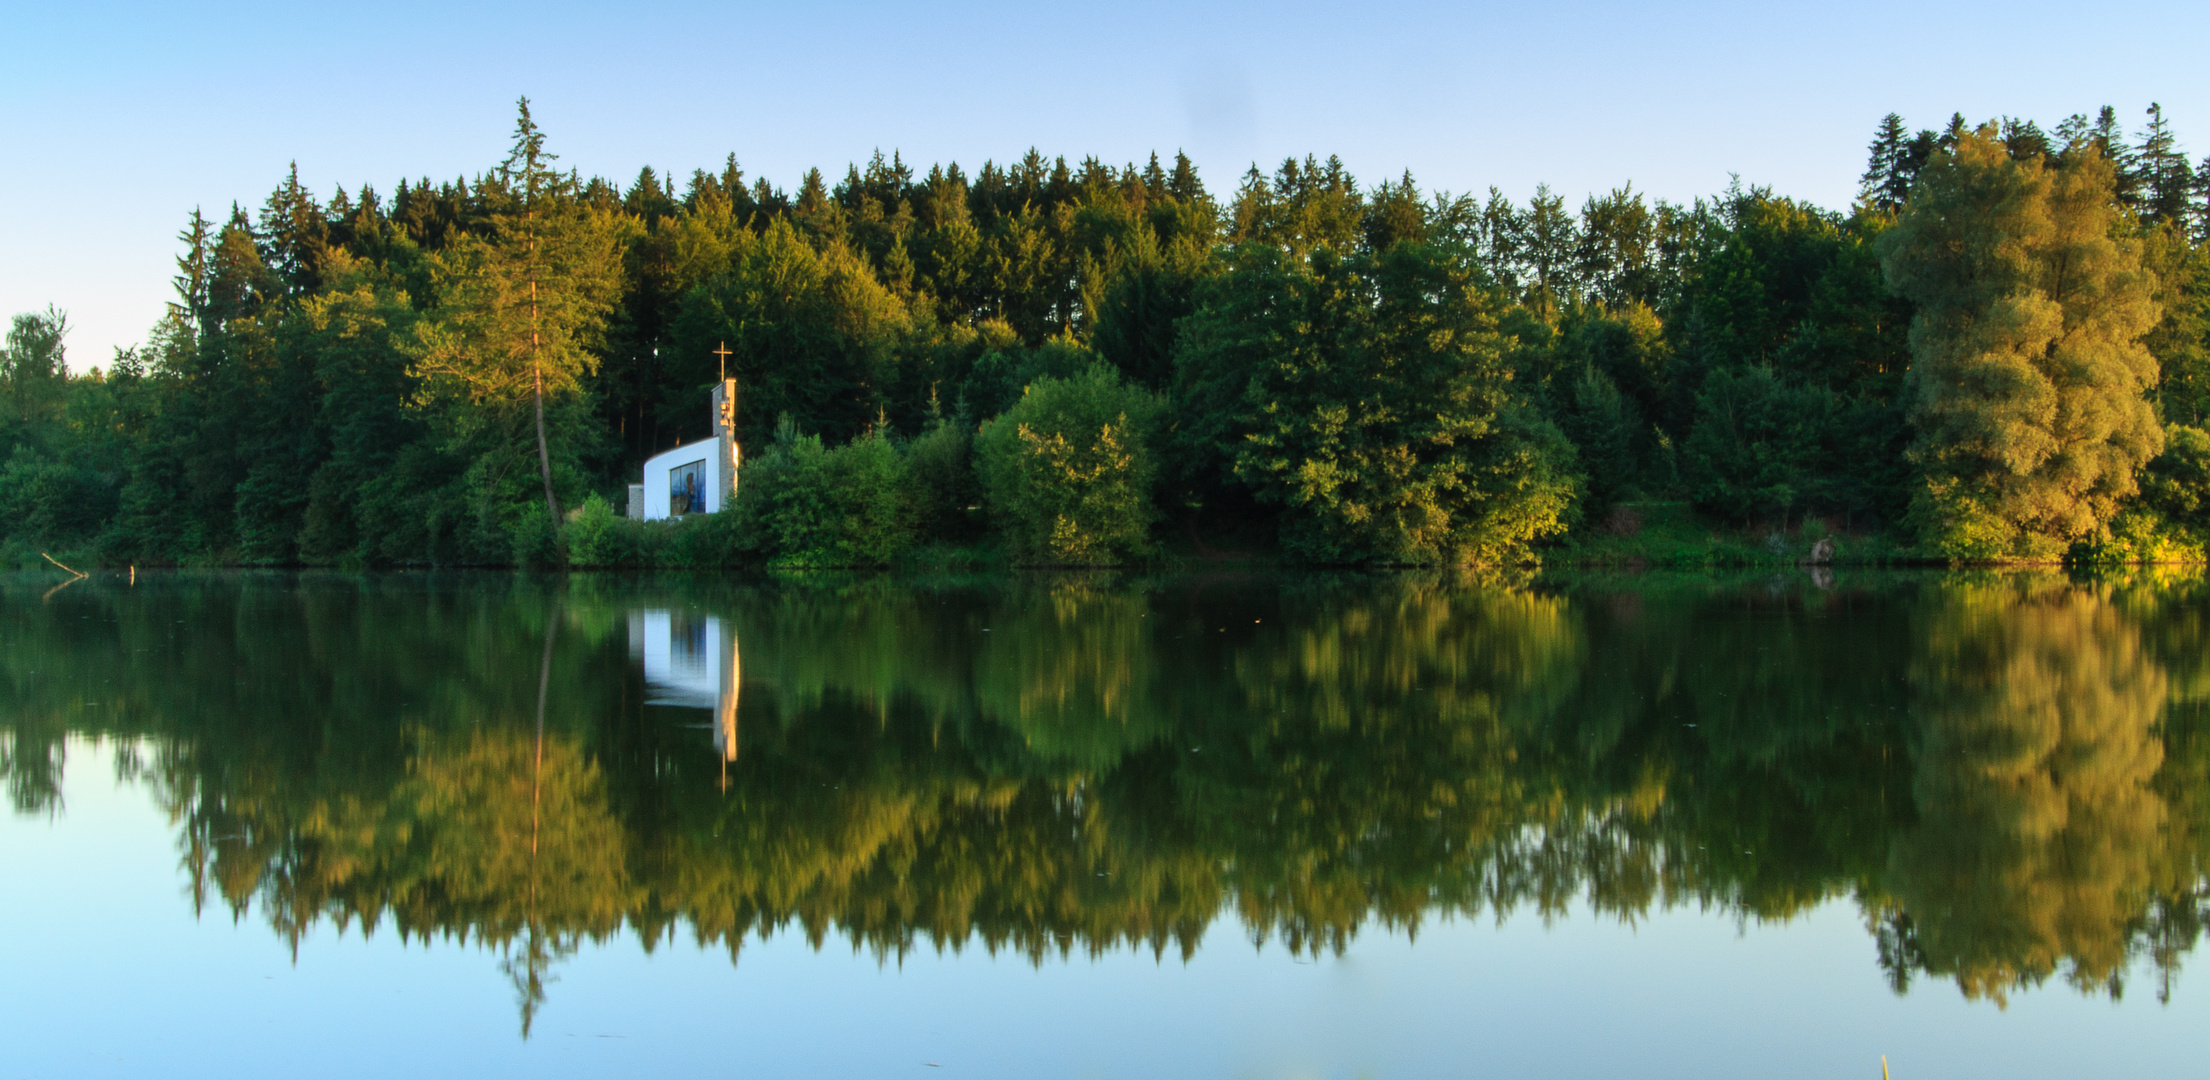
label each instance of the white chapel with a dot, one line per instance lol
(694, 478)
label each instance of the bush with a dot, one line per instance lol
(590, 535)
(804, 504)
(50, 501)
(534, 542)
(1960, 522)
(940, 483)
(1067, 472)
(2176, 481)
(2169, 521)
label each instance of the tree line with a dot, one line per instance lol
(2000, 350)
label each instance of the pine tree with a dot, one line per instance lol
(2108, 138)
(2025, 139)
(519, 311)
(2200, 210)
(1884, 166)
(294, 235)
(1183, 185)
(2166, 180)
(1499, 243)
(1394, 214)
(198, 238)
(239, 284)
(1614, 256)
(1548, 241)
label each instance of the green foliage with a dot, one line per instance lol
(1000, 377)
(1068, 471)
(1369, 397)
(33, 373)
(1754, 444)
(1139, 316)
(51, 499)
(1760, 449)
(592, 535)
(803, 504)
(2170, 521)
(812, 333)
(1603, 425)
(941, 485)
(1358, 372)
(2028, 376)
(2181, 341)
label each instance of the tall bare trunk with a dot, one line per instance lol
(537, 380)
(544, 451)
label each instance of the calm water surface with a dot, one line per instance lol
(1389, 826)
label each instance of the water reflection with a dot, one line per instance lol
(690, 661)
(2035, 769)
(2006, 773)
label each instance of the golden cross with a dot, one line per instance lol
(725, 354)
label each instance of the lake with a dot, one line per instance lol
(1104, 825)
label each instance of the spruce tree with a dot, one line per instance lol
(295, 235)
(1884, 166)
(198, 238)
(1184, 185)
(2108, 138)
(2025, 139)
(2165, 177)
(520, 311)
(2199, 210)
(1547, 242)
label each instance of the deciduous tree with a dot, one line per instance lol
(2028, 379)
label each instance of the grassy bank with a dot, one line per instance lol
(1629, 537)
(1673, 536)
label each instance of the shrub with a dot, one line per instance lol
(2174, 484)
(940, 484)
(1067, 472)
(590, 535)
(804, 504)
(534, 542)
(52, 501)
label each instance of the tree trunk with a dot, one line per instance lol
(544, 451)
(537, 382)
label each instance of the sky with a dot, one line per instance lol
(120, 118)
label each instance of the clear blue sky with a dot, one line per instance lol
(119, 118)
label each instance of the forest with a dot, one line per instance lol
(2000, 351)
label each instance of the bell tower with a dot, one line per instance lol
(725, 423)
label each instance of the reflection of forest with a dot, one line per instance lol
(2005, 773)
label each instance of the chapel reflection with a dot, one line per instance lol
(690, 661)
